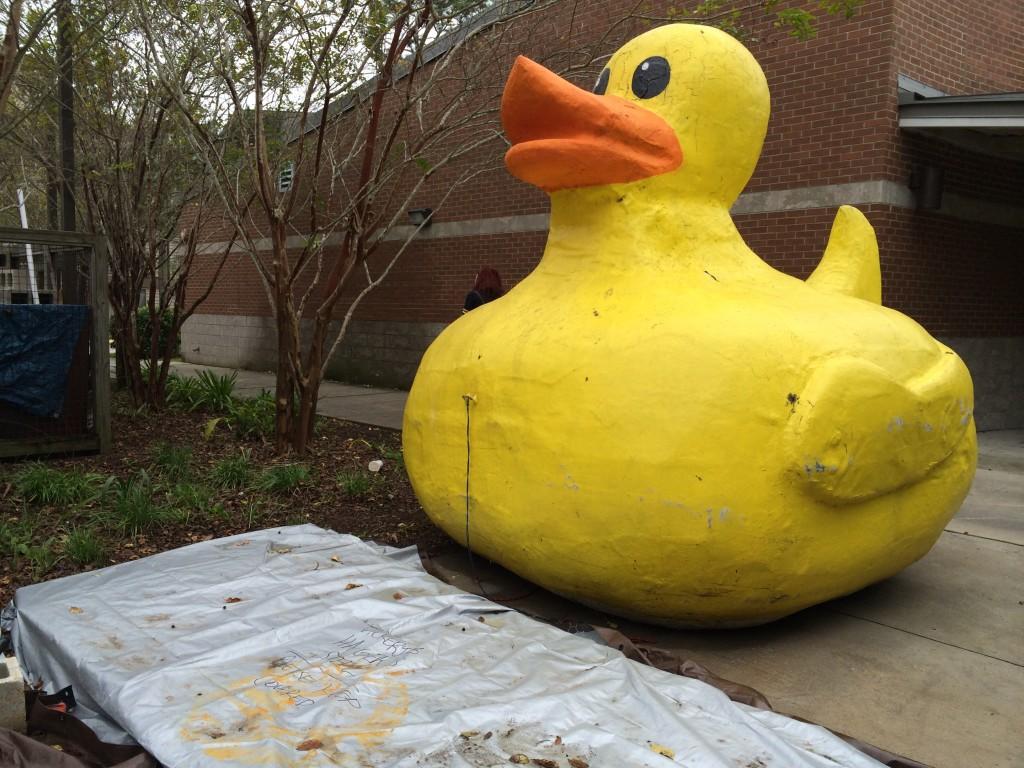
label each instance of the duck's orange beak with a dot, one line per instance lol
(564, 137)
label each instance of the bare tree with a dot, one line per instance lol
(148, 193)
(374, 113)
(9, 52)
(18, 38)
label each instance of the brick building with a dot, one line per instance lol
(913, 111)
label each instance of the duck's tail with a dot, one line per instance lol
(849, 265)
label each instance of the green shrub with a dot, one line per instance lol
(167, 345)
(355, 484)
(183, 392)
(208, 391)
(233, 472)
(253, 418)
(40, 484)
(215, 391)
(283, 477)
(84, 546)
(172, 460)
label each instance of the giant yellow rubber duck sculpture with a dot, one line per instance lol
(657, 423)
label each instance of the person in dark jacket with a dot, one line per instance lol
(486, 288)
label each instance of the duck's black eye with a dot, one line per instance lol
(651, 77)
(602, 82)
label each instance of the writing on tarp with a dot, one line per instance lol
(338, 671)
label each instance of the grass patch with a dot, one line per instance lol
(187, 498)
(134, 509)
(41, 556)
(355, 484)
(43, 485)
(83, 546)
(233, 472)
(172, 460)
(254, 513)
(16, 537)
(283, 477)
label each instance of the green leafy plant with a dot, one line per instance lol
(172, 460)
(216, 391)
(40, 484)
(233, 472)
(41, 556)
(83, 546)
(355, 484)
(183, 392)
(253, 418)
(283, 477)
(16, 536)
(134, 509)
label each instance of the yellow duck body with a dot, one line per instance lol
(658, 423)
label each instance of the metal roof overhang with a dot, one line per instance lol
(992, 124)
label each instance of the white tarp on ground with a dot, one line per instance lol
(301, 646)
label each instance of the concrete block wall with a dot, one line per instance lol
(12, 695)
(997, 368)
(380, 353)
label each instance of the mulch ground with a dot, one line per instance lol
(386, 512)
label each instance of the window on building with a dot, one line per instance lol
(284, 178)
(15, 262)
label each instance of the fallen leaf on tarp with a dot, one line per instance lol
(353, 586)
(519, 759)
(558, 740)
(232, 600)
(469, 734)
(544, 763)
(578, 762)
(309, 744)
(335, 559)
(75, 610)
(398, 595)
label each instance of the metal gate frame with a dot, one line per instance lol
(99, 305)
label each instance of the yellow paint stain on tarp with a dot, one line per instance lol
(258, 715)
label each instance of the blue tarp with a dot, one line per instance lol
(37, 342)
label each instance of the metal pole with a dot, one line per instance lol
(28, 250)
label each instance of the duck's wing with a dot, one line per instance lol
(850, 263)
(855, 432)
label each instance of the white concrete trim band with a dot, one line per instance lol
(883, 192)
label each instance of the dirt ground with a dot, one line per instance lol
(339, 493)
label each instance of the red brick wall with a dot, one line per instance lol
(834, 120)
(956, 278)
(961, 46)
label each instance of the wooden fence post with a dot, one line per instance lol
(101, 341)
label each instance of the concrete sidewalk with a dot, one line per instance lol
(929, 664)
(363, 405)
